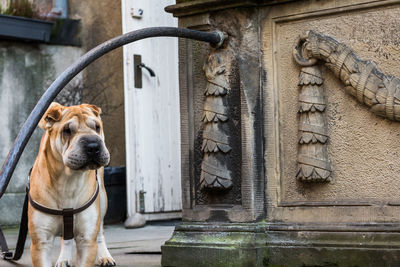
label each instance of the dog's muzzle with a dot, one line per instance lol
(96, 153)
(90, 153)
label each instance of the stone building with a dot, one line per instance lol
(290, 134)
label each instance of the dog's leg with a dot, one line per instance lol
(85, 233)
(65, 258)
(42, 230)
(86, 252)
(41, 251)
(103, 255)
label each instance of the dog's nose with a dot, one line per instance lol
(92, 148)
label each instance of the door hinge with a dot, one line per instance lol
(141, 201)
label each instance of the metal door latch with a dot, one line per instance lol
(138, 65)
(142, 65)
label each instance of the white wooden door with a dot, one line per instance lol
(152, 114)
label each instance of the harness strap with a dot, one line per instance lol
(68, 220)
(68, 214)
(23, 231)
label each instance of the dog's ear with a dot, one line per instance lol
(52, 115)
(95, 109)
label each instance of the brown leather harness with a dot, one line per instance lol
(68, 214)
(68, 222)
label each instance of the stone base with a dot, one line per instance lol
(331, 257)
(335, 245)
(285, 245)
(217, 245)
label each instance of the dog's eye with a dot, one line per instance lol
(67, 130)
(97, 128)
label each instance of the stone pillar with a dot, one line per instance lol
(290, 135)
(222, 148)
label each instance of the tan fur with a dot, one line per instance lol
(57, 183)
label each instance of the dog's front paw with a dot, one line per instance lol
(106, 261)
(63, 263)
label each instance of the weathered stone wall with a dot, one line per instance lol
(26, 71)
(104, 79)
(363, 148)
(323, 123)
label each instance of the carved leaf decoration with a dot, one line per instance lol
(224, 147)
(222, 117)
(214, 176)
(214, 182)
(213, 132)
(213, 89)
(309, 173)
(313, 169)
(307, 138)
(313, 161)
(209, 146)
(311, 133)
(214, 110)
(310, 79)
(311, 107)
(213, 146)
(210, 116)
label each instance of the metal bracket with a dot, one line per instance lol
(137, 60)
(137, 13)
(138, 65)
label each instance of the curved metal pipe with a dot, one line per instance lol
(215, 38)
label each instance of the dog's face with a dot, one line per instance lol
(76, 135)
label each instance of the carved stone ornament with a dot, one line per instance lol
(362, 79)
(214, 173)
(313, 160)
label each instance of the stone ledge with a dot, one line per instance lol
(318, 247)
(283, 244)
(192, 7)
(335, 227)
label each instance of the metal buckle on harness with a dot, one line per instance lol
(7, 255)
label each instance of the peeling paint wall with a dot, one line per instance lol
(26, 71)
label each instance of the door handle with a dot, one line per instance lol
(138, 66)
(142, 65)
